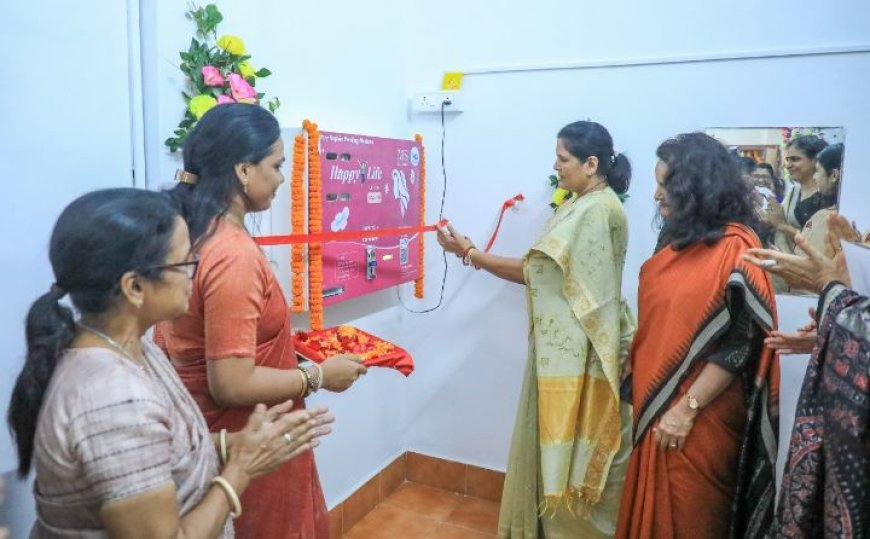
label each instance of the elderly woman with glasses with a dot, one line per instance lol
(118, 445)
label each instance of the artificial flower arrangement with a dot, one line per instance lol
(218, 71)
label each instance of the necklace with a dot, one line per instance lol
(113, 343)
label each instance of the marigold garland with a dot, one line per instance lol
(297, 219)
(418, 282)
(315, 226)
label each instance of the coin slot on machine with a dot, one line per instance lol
(371, 263)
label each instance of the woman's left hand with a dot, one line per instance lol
(674, 427)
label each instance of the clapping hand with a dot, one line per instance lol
(801, 342)
(811, 272)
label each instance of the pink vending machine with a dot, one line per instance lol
(369, 183)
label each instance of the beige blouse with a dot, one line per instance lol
(109, 429)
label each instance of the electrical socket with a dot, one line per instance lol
(431, 102)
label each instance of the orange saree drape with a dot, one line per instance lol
(722, 483)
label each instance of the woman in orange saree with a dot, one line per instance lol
(703, 385)
(233, 348)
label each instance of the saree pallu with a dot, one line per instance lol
(721, 484)
(826, 483)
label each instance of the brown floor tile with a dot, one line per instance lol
(392, 522)
(335, 529)
(436, 472)
(360, 503)
(483, 483)
(446, 531)
(392, 477)
(424, 501)
(476, 514)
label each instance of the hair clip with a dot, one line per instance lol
(184, 176)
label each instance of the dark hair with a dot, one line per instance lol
(225, 136)
(778, 183)
(97, 238)
(585, 139)
(705, 191)
(768, 167)
(831, 158)
(746, 165)
(809, 145)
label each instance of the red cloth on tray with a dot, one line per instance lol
(319, 345)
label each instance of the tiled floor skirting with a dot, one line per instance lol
(422, 497)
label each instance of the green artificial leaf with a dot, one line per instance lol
(260, 95)
(263, 72)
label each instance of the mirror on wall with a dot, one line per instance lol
(795, 174)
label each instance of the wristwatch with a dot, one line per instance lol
(693, 403)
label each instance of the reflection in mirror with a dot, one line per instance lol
(795, 173)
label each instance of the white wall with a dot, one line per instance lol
(503, 143)
(65, 120)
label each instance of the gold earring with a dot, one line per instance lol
(245, 186)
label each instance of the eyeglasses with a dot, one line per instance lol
(188, 266)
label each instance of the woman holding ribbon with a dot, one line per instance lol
(572, 434)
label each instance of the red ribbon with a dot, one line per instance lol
(509, 203)
(322, 237)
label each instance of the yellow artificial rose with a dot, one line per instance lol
(247, 71)
(232, 44)
(559, 196)
(200, 104)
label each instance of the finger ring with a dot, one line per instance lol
(769, 263)
(287, 437)
(673, 445)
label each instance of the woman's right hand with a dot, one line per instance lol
(341, 371)
(774, 215)
(452, 241)
(275, 435)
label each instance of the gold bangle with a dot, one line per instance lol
(223, 446)
(232, 497)
(304, 377)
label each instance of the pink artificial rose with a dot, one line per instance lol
(241, 90)
(224, 99)
(211, 76)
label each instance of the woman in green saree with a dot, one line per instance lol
(571, 439)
